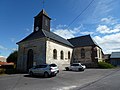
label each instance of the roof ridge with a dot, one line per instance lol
(54, 33)
(56, 37)
(80, 37)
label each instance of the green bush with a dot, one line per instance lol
(105, 65)
(7, 71)
(2, 71)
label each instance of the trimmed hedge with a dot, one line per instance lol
(105, 65)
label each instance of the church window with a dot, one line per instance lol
(46, 22)
(55, 54)
(68, 54)
(82, 53)
(99, 53)
(62, 55)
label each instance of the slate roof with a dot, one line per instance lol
(115, 55)
(82, 41)
(55, 37)
(32, 36)
(44, 33)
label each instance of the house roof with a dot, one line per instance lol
(44, 33)
(82, 41)
(6, 63)
(115, 55)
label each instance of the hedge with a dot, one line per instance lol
(105, 65)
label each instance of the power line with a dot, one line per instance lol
(81, 13)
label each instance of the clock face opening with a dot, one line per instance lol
(37, 28)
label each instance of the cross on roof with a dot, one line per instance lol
(43, 2)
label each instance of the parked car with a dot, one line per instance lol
(76, 67)
(44, 69)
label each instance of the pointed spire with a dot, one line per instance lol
(43, 12)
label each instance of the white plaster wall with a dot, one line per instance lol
(50, 46)
(99, 54)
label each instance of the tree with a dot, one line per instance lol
(13, 57)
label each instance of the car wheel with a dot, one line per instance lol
(46, 74)
(31, 73)
(67, 69)
(53, 75)
(81, 69)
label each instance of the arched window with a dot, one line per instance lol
(82, 53)
(99, 53)
(54, 54)
(61, 55)
(68, 54)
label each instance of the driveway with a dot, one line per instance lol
(65, 80)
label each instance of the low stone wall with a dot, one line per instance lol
(91, 65)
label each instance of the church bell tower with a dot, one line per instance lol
(42, 21)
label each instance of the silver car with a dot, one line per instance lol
(44, 69)
(76, 67)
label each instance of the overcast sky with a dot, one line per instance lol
(101, 20)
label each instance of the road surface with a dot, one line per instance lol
(90, 79)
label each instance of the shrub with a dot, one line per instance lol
(105, 65)
(10, 71)
(2, 71)
(13, 57)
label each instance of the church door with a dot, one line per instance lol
(30, 59)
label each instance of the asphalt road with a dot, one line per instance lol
(109, 82)
(90, 79)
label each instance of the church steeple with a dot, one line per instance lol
(42, 21)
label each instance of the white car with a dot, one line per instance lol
(76, 67)
(44, 69)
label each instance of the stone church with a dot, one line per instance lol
(43, 46)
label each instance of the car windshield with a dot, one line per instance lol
(75, 65)
(41, 66)
(52, 65)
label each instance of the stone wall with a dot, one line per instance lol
(92, 55)
(38, 47)
(77, 54)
